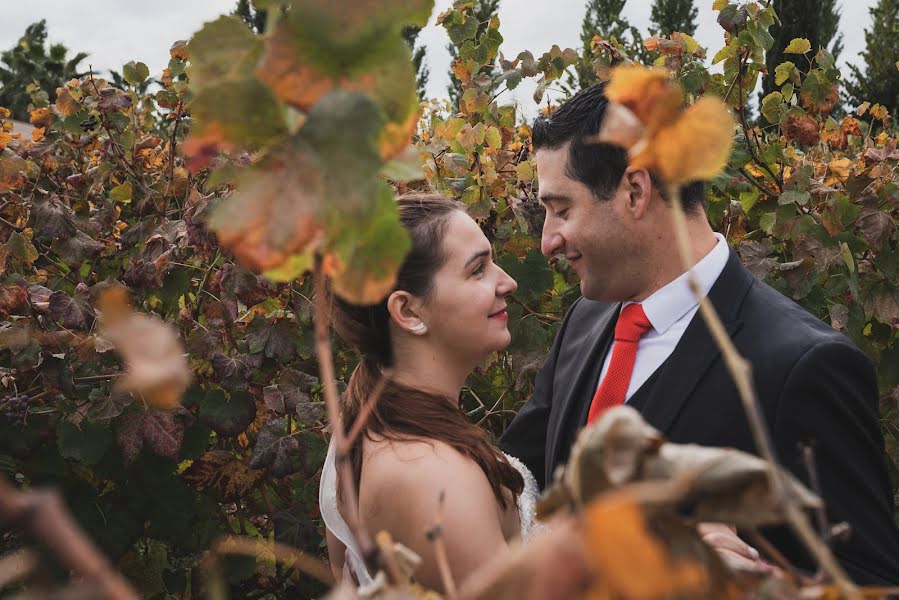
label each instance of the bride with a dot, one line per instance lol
(446, 315)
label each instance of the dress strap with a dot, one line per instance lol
(327, 502)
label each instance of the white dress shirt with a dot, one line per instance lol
(670, 309)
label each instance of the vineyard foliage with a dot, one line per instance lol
(208, 199)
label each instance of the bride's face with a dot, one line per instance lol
(466, 310)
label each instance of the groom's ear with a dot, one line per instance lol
(405, 311)
(639, 188)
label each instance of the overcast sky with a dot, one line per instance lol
(116, 31)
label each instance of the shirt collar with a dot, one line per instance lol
(667, 305)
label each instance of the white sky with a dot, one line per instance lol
(116, 31)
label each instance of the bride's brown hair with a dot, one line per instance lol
(404, 412)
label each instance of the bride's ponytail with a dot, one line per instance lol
(403, 412)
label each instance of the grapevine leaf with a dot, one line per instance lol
(534, 275)
(71, 313)
(783, 71)
(85, 443)
(227, 415)
(224, 49)
(798, 46)
(276, 450)
(221, 470)
(277, 211)
(73, 250)
(274, 340)
(135, 72)
(21, 248)
(52, 218)
(234, 372)
(363, 261)
(241, 113)
(352, 36)
(161, 430)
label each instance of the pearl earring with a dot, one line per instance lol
(417, 328)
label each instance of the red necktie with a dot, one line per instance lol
(632, 324)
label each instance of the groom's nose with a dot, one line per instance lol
(551, 242)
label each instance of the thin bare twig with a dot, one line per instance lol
(364, 414)
(17, 565)
(435, 536)
(741, 372)
(283, 553)
(42, 513)
(172, 141)
(370, 552)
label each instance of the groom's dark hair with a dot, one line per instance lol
(403, 412)
(598, 166)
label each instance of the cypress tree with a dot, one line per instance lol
(410, 35)
(879, 82)
(31, 63)
(668, 16)
(603, 18)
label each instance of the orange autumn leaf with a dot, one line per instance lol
(649, 93)
(5, 139)
(42, 117)
(37, 134)
(840, 167)
(66, 104)
(620, 546)
(646, 115)
(4, 112)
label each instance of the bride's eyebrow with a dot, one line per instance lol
(476, 256)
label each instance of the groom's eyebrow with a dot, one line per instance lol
(553, 197)
(476, 256)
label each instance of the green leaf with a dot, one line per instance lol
(761, 36)
(224, 49)
(227, 415)
(748, 200)
(343, 40)
(798, 46)
(406, 167)
(86, 443)
(121, 193)
(794, 197)
(773, 107)
(21, 248)
(534, 275)
(292, 268)
(493, 137)
(242, 112)
(135, 72)
(724, 53)
(783, 71)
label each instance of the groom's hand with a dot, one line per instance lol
(736, 554)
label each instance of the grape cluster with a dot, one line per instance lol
(16, 408)
(89, 124)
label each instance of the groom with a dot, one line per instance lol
(635, 336)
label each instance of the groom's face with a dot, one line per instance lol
(595, 235)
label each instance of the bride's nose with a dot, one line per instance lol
(506, 285)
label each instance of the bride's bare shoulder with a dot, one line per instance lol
(415, 462)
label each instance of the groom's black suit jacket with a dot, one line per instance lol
(814, 385)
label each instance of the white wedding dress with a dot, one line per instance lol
(353, 563)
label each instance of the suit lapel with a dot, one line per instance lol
(581, 365)
(696, 350)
